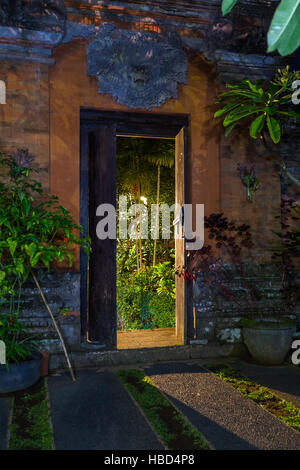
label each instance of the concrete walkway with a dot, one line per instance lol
(226, 418)
(5, 411)
(96, 412)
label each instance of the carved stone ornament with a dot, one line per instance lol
(139, 69)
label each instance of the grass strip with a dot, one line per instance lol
(30, 428)
(168, 423)
(280, 408)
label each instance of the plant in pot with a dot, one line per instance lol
(22, 367)
(223, 266)
(280, 329)
(35, 231)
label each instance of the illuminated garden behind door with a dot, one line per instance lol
(145, 267)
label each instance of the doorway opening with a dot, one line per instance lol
(146, 253)
(130, 297)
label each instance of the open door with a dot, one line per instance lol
(102, 314)
(180, 254)
(98, 186)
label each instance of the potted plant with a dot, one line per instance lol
(22, 368)
(35, 231)
(268, 338)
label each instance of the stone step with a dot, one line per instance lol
(83, 357)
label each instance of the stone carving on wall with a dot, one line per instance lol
(42, 15)
(139, 69)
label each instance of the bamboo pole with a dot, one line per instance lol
(55, 325)
(140, 227)
(136, 239)
(140, 241)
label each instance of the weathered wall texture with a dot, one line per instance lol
(237, 149)
(24, 119)
(217, 317)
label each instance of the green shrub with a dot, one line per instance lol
(146, 299)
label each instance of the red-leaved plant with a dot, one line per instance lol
(221, 262)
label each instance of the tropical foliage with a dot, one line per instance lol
(18, 340)
(145, 267)
(137, 159)
(263, 106)
(222, 260)
(146, 299)
(35, 230)
(284, 31)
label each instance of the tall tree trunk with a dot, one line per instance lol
(157, 214)
(136, 238)
(140, 234)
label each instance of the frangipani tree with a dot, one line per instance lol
(263, 108)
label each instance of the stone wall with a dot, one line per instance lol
(216, 317)
(62, 291)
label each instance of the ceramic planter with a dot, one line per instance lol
(20, 376)
(269, 341)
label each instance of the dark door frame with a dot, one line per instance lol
(124, 124)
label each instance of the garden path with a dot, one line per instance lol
(224, 416)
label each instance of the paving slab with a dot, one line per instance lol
(284, 381)
(5, 409)
(97, 413)
(227, 419)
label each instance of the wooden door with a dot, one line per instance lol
(180, 254)
(101, 302)
(98, 185)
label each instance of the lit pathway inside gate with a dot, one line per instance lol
(147, 338)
